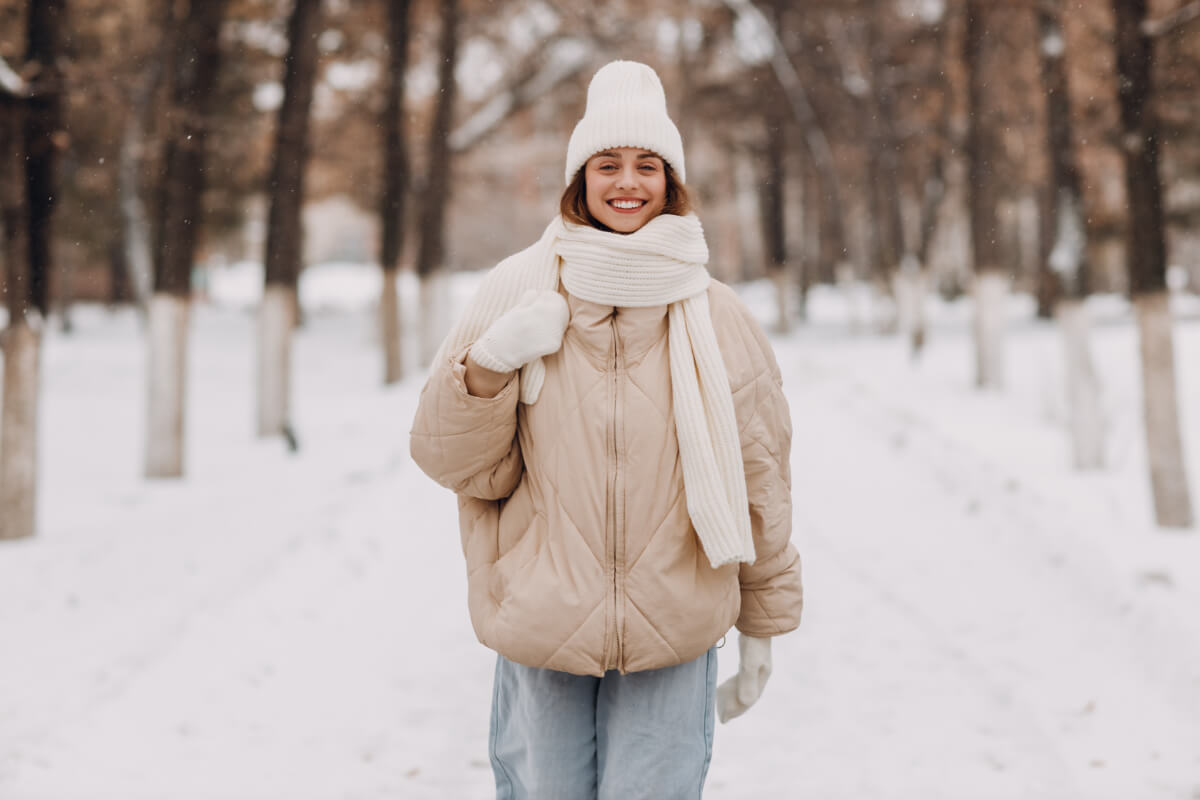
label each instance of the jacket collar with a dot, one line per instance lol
(638, 328)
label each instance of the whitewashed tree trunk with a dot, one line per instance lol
(782, 279)
(133, 213)
(276, 320)
(991, 301)
(1164, 448)
(433, 315)
(18, 431)
(389, 326)
(168, 338)
(1083, 387)
(844, 274)
(909, 286)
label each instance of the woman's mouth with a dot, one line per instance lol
(626, 205)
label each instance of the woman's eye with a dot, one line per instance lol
(649, 168)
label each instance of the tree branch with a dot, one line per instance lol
(563, 59)
(1173, 21)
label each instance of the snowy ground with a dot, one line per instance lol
(981, 621)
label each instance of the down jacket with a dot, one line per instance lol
(580, 553)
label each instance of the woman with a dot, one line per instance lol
(612, 421)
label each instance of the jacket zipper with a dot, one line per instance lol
(616, 507)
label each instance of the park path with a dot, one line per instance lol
(297, 628)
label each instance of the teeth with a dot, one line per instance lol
(627, 203)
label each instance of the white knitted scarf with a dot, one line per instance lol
(660, 263)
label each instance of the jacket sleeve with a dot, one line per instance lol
(468, 444)
(772, 594)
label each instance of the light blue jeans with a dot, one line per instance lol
(557, 736)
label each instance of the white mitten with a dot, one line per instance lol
(740, 692)
(531, 329)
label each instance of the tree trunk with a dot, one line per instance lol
(1146, 254)
(17, 408)
(275, 324)
(1064, 274)
(285, 231)
(990, 291)
(30, 137)
(435, 193)
(1168, 467)
(167, 329)
(983, 190)
(44, 137)
(916, 272)
(395, 190)
(178, 214)
(773, 216)
(1083, 386)
(18, 430)
(136, 235)
(884, 161)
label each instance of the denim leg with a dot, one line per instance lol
(543, 733)
(654, 731)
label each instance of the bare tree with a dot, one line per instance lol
(193, 76)
(815, 140)
(435, 192)
(1146, 257)
(135, 233)
(1068, 245)
(395, 187)
(983, 191)
(18, 412)
(285, 232)
(30, 137)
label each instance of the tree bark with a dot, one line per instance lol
(193, 75)
(285, 231)
(983, 195)
(30, 137)
(136, 235)
(1146, 255)
(17, 429)
(395, 189)
(44, 137)
(772, 186)
(884, 156)
(435, 193)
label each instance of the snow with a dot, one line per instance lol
(981, 621)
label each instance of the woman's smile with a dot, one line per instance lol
(627, 205)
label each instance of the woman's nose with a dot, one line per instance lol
(627, 179)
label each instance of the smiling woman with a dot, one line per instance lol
(622, 189)
(594, 376)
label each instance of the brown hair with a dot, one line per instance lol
(573, 204)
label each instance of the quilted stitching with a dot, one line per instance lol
(456, 436)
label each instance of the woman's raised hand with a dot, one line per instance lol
(531, 329)
(741, 691)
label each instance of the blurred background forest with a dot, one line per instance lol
(896, 148)
(232, 232)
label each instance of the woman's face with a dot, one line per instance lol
(626, 187)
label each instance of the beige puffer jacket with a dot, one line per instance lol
(580, 553)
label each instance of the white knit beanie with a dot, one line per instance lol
(626, 107)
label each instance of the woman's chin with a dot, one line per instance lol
(624, 224)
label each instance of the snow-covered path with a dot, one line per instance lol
(295, 627)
